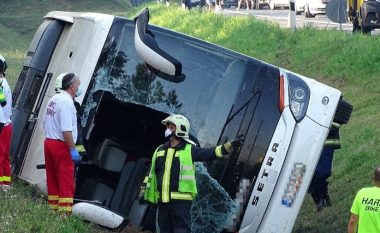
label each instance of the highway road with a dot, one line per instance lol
(281, 16)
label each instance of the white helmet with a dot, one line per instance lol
(182, 126)
(58, 83)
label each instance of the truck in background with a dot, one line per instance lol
(364, 15)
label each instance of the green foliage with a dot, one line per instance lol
(348, 62)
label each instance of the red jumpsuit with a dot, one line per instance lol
(60, 117)
(59, 174)
(6, 133)
(5, 167)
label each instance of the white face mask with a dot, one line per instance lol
(168, 132)
(79, 92)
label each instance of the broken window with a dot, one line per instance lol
(212, 209)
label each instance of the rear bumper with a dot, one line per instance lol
(319, 8)
(317, 11)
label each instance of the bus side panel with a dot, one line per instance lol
(28, 87)
(77, 50)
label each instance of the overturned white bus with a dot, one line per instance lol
(134, 75)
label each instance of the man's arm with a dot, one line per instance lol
(203, 154)
(353, 224)
(207, 154)
(68, 137)
(2, 119)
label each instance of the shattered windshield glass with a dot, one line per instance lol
(205, 96)
(212, 209)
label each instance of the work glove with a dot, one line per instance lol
(235, 144)
(74, 155)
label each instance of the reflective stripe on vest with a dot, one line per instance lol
(181, 196)
(332, 142)
(166, 178)
(336, 125)
(218, 151)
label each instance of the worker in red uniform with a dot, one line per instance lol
(61, 132)
(6, 131)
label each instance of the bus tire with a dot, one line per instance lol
(343, 112)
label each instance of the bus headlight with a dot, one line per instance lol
(299, 95)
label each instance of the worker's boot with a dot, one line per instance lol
(5, 187)
(65, 214)
(322, 204)
(316, 198)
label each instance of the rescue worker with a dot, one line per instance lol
(171, 182)
(365, 210)
(60, 125)
(319, 185)
(5, 124)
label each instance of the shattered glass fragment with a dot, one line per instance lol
(212, 209)
(129, 88)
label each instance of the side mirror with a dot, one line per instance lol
(158, 61)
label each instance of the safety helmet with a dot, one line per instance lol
(58, 83)
(3, 64)
(182, 126)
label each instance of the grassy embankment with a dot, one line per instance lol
(19, 19)
(347, 62)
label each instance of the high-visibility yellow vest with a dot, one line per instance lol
(187, 188)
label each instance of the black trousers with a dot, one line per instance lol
(319, 188)
(174, 217)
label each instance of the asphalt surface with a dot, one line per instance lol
(281, 16)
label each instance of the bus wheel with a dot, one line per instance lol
(343, 112)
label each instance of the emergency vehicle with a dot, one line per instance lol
(364, 14)
(133, 75)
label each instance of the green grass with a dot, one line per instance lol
(24, 209)
(348, 62)
(19, 19)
